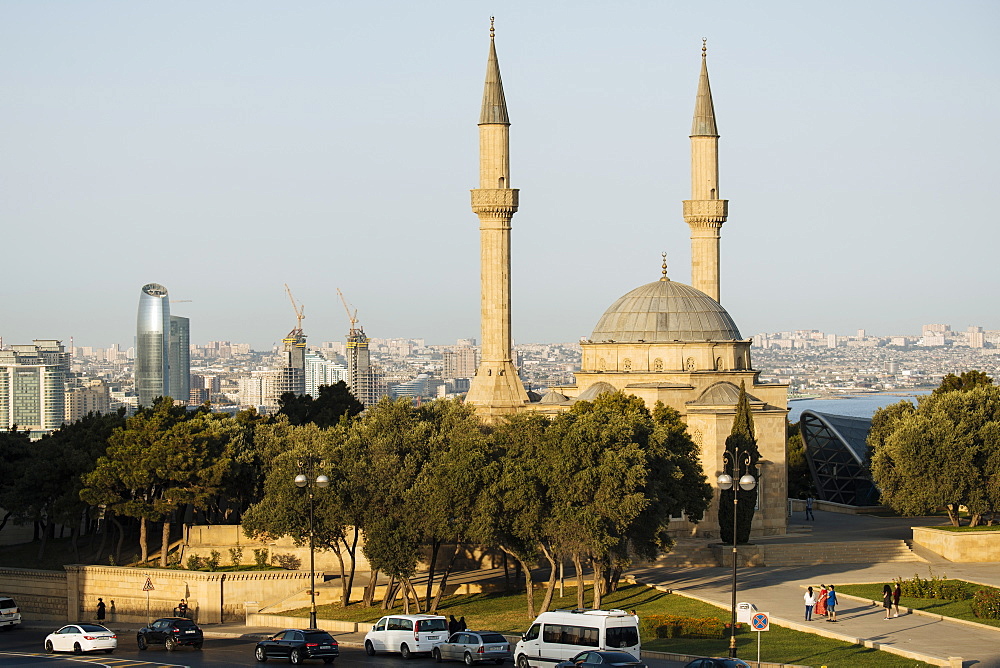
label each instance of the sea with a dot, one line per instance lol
(854, 405)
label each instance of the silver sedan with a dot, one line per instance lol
(473, 647)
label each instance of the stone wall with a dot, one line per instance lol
(39, 594)
(967, 546)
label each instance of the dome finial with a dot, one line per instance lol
(663, 268)
(492, 29)
(704, 47)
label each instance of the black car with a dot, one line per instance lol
(297, 645)
(171, 632)
(602, 659)
(718, 663)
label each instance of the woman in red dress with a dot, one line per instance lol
(820, 608)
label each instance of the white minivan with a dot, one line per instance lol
(406, 634)
(560, 635)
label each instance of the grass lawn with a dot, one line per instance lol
(506, 613)
(956, 609)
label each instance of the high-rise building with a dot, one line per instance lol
(152, 358)
(459, 362)
(322, 371)
(361, 377)
(93, 397)
(976, 337)
(33, 386)
(180, 358)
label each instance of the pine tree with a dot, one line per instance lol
(741, 438)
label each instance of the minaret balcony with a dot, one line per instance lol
(494, 200)
(706, 210)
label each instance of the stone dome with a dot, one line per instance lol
(663, 312)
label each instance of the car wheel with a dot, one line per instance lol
(295, 658)
(522, 662)
(436, 653)
(170, 644)
(404, 651)
(260, 654)
(48, 646)
(369, 648)
(77, 649)
(141, 642)
(469, 661)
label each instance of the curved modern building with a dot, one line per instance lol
(152, 345)
(837, 452)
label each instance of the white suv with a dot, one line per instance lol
(10, 615)
(406, 634)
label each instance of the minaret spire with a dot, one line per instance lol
(705, 212)
(496, 389)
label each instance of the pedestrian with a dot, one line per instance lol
(452, 625)
(810, 600)
(182, 608)
(809, 508)
(831, 604)
(896, 593)
(820, 608)
(461, 624)
(887, 600)
(100, 609)
(114, 613)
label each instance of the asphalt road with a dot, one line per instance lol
(23, 647)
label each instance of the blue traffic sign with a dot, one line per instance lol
(760, 622)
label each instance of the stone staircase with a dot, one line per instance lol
(853, 552)
(689, 553)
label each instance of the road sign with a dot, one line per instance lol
(760, 622)
(149, 585)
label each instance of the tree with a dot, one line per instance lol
(332, 404)
(741, 439)
(967, 381)
(800, 482)
(15, 486)
(943, 453)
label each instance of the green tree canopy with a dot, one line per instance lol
(967, 381)
(332, 403)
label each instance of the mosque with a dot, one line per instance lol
(663, 341)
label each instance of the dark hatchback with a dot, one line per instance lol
(297, 645)
(171, 632)
(602, 659)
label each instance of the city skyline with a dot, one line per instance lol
(329, 147)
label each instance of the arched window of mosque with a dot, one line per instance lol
(719, 365)
(657, 364)
(627, 364)
(739, 363)
(713, 194)
(500, 184)
(690, 366)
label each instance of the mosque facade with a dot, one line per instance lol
(663, 341)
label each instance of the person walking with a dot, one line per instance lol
(831, 604)
(809, 508)
(896, 593)
(452, 625)
(887, 601)
(100, 609)
(810, 600)
(820, 608)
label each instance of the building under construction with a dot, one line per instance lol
(364, 379)
(292, 369)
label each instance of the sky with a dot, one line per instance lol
(226, 148)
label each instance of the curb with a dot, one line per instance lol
(924, 613)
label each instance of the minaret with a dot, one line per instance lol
(705, 212)
(496, 388)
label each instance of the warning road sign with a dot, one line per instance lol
(149, 585)
(760, 622)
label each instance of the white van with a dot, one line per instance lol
(406, 634)
(560, 635)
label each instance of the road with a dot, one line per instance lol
(24, 648)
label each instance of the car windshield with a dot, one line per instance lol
(184, 624)
(618, 657)
(321, 636)
(491, 638)
(7, 603)
(425, 625)
(94, 628)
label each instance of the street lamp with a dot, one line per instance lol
(733, 462)
(303, 480)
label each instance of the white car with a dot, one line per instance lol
(10, 615)
(406, 634)
(80, 638)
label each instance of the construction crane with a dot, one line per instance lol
(299, 313)
(352, 316)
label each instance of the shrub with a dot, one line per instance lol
(194, 563)
(236, 556)
(212, 561)
(934, 587)
(673, 626)
(287, 561)
(986, 603)
(260, 557)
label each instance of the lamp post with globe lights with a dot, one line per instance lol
(309, 483)
(732, 462)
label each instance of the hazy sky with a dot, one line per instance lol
(226, 148)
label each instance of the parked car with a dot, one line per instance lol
(297, 645)
(718, 663)
(406, 634)
(558, 635)
(473, 647)
(10, 614)
(171, 632)
(80, 638)
(594, 659)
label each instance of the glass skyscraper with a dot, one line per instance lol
(180, 358)
(152, 349)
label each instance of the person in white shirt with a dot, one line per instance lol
(810, 600)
